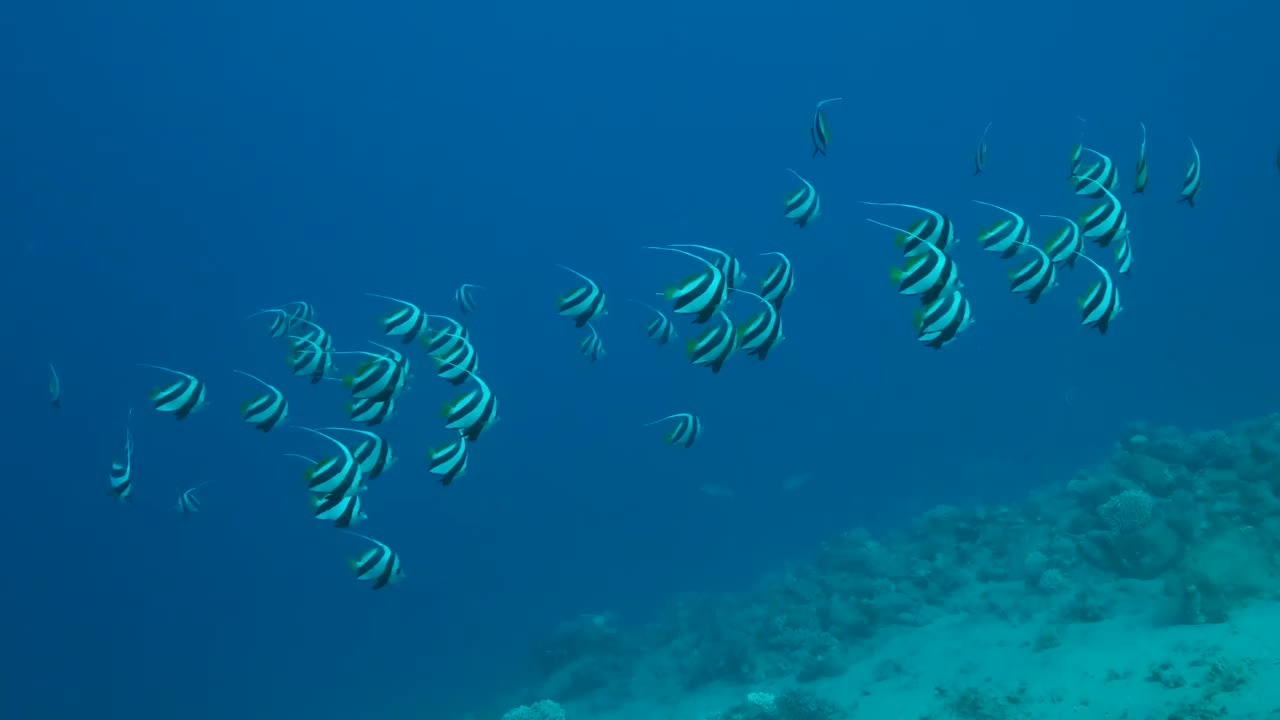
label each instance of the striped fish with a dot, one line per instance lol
(1007, 237)
(820, 133)
(591, 347)
(465, 299)
(1140, 174)
(266, 411)
(309, 360)
(930, 275)
(343, 511)
(449, 461)
(188, 503)
(446, 341)
(371, 411)
(286, 316)
(761, 333)
(942, 320)
(1062, 248)
(1191, 181)
(373, 453)
(1106, 221)
(407, 323)
(686, 430)
(716, 344)
(1099, 176)
(1034, 278)
(461, 359)
(121, 475)
(314, 333)
(727, 263)
(473, 411)
(779, 282)
(181, 397)
(935, 229)
(1124, 254)
(55, 388)
(379, 565)
(803, 205)
(1102, 303)
(339, 474)
(701, 295)
(381, 377)
(660, 329)
(980, 155)
(583, 304)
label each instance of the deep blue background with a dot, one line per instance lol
(165, 170)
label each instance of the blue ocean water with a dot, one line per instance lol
(168, 170)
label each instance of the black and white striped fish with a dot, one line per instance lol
(1034, 278)
(1140, 173)
(701, 295)
(980, 155)
(930, 275)
(312, 332)
(446, 341)
(1101, 304)
(1124, 253)
(266, 411)
(584, 303)
(121, 475)
(371, 411)
(779, 281)
(382, 377)
(462, 358)
(803, 205)
(1062, 248)
(1007, 237)
(591, 347)
(407, 323)
(820, 133)
(310, 360)
(763, 332)
(286, 316)
(660, 329)
(686, 430)
(716, 344)
(473, 411)
(188, 503)
(1099, 176)
(379, 565)
(55, 388)
(343, 511)
(338, 474)
(942, 320)
(934, 228)
(179, 398)
(465, 299)
(449, 461)
(373, 453)
(727, 263)
(1106, 221)
(1191, 181)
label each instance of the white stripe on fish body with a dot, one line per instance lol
(343, 510)
(450, 461)
(1191, 181)
(803, 205)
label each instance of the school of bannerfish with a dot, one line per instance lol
(336, 482)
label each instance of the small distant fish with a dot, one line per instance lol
(779, 282)
(1062, 248)
(1098, 177)
(1034, 278)
(944, 319)
(55, 388)
(266, 411)
(465, 298)
(686, 430)
(660, 329)
(371, 411)
(121, 475)
(180, 398)
(930, 275)
(283, 320)
(1140, 174)
(591, 347)
(407, 323)
(1106, 221)
(473, 411)
(188, 503)
(935, 229)
(980, 155)
(583, 304)
(379, 565)
(701, 295)
(820, 133)
(763, 332)
(449, 461)
(1191, 181)
(339, 474)
(1007, 237)
(1100, 306)
(373, 453)
(344, 511)
(803, 205)
(716, 344)
(726, 262)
